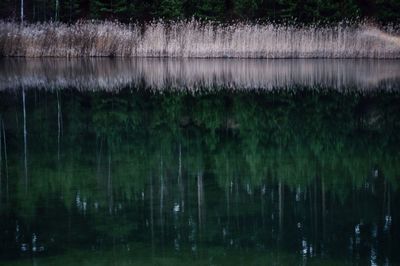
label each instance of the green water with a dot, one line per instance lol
(304, 176)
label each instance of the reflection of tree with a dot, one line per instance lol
(25, 141)
(140, 153)
(290, 137)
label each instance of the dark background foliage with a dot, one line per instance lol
(304, 11)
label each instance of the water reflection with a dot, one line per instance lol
(222, 178)
(193, 74)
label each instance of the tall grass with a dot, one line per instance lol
(195, 39)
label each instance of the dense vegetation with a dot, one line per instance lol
(221, 10)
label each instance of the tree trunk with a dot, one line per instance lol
(22, 11)
(56, 15)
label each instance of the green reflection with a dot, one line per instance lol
(302, 174)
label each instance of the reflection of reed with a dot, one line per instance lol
(193, 74)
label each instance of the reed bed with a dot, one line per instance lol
(195, 39)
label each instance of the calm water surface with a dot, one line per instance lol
(201, 162)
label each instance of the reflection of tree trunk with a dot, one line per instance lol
(16, 120)
(315, 215)
(310, 201)
(5, 159)
(59, 127)
(389, 240)
(69, 226)
(99, 152)
(281, 206)
(323, 208)
(228, 190)
(228, 201)
(237, 200)
(25, 141)
(388, 200)
(180, 182)
(1, 164)
(200, 199)
(262, 205)
(162, 199)
(152, 213)
(109, 185)
(180, 166)
(181, 199)
(384, 198)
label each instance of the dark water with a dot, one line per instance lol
(298, 174)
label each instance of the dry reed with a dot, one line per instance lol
(194, 39)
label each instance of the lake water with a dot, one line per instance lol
(199, 162)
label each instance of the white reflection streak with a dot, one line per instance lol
(373, 257)
(197, 74)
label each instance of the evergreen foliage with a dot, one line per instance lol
(305, 11)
